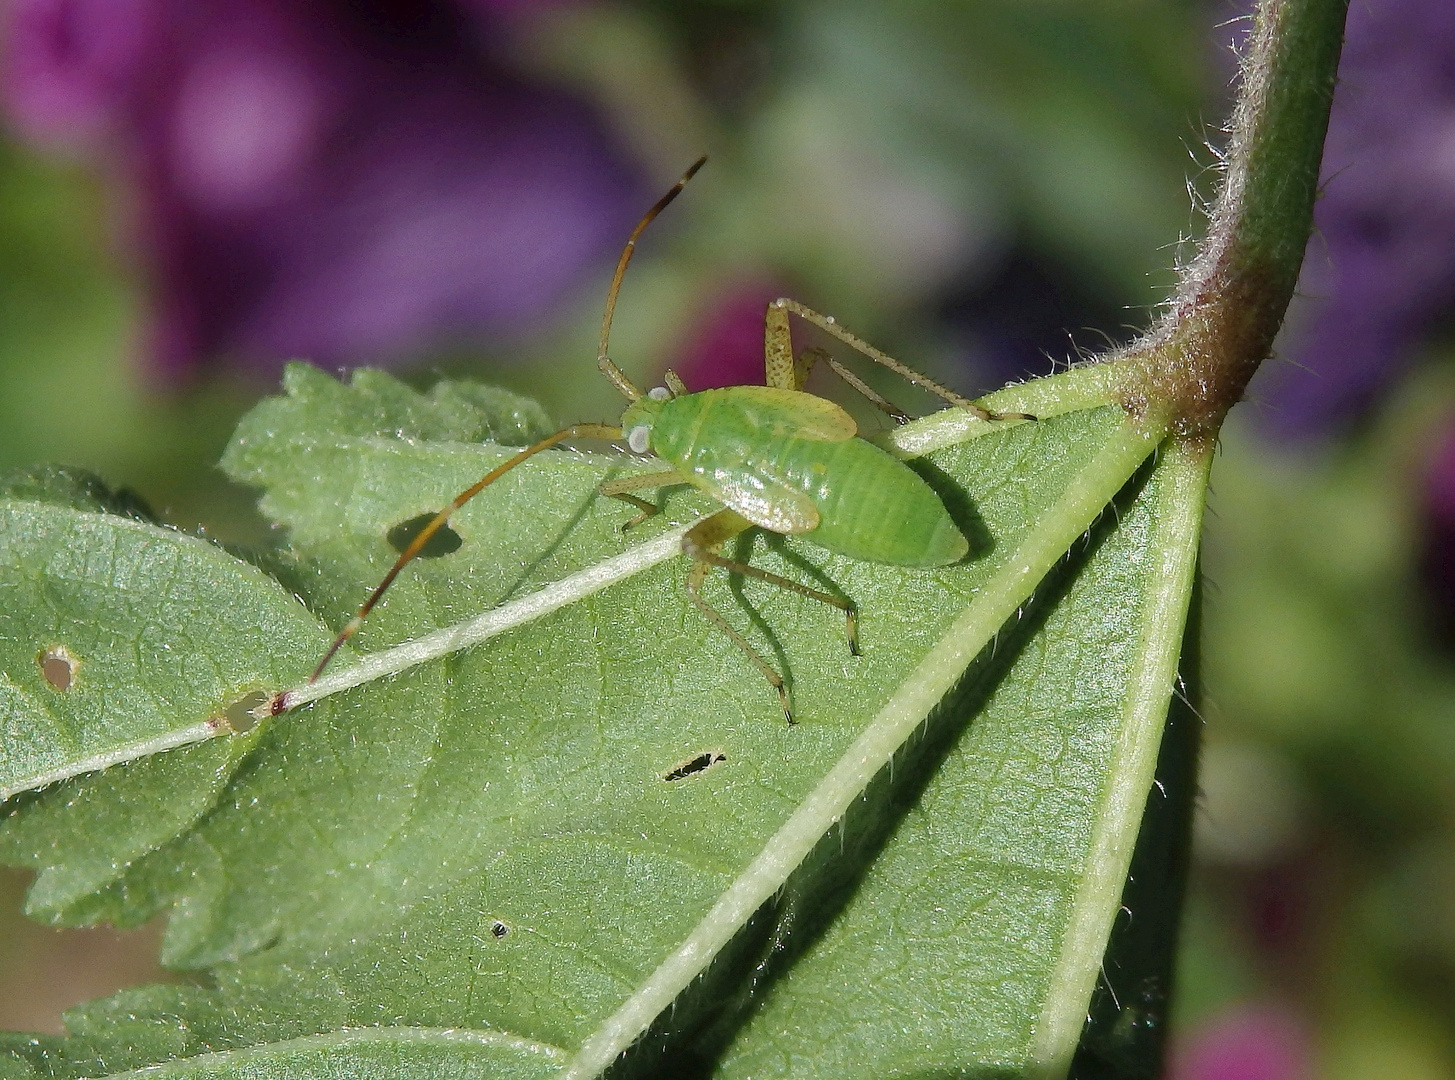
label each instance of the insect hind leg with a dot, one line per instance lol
(859, 345)
(809, 357)
(783, 371)
(702, 545)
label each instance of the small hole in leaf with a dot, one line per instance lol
(58, 667)
(241, 717)
(499, 929)
(445, 541)
(692, 766)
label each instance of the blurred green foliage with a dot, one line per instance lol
(72, 389)
(1328, 839)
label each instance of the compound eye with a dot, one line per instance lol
(637, 438)
(659, 393)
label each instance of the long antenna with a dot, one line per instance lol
(436, 523)
(627, 252)
(592, 431)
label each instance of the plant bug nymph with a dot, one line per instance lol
(774, 456)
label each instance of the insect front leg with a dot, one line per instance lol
(702, 545)
(575, 431)
(619, 488)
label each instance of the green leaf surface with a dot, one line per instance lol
(961, 943)
(509, 842)
(162, 631)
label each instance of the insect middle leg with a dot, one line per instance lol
(702, 545)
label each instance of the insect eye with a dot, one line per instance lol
(659, 393)
(636, 438)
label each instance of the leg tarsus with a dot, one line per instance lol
(695, 578)
(647, 510)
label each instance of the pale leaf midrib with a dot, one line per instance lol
(1178, 520)
(348, 1037)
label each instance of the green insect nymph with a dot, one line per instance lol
(774, 456)
(789, 462)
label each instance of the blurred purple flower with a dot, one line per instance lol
(345, 182)
(725, 347)
(1387, 218)
(1250, 1042)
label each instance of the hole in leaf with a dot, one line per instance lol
(58, 667)
(499, 929)
(241, 717)
(445, 541)
(692, 766)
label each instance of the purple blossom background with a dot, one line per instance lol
(350, 183)
(1381, 267)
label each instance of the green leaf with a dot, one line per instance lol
(976, 934)
(76, 488)
(123, 638)
(540, 843)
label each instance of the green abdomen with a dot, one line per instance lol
(872, 505)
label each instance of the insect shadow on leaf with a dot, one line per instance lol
(743, 554)
(959, 505)
(551, 546)
(443, 541)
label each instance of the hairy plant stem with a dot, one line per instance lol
(1232, 297)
